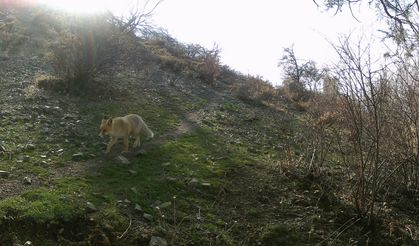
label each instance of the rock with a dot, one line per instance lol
(2, 148)
(28, 243)
(30, 146)
(148, 217)
(171, 178)
(4, 174)
(165, 205)
(123, 160)
(155, 204)
(77, 156)
(141, 152)
(193, 181)
(157, 241)
(206, 184)
(27, 181)
(134, 190)
(132, 172)
(26, 158)
(166, 164)
(138, 208)
(91, 207)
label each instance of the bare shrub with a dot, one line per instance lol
(254, 89)
(92, 46)
(404, 118)
(208, 61)
(301, 78)
(191, 60)
(365, 96)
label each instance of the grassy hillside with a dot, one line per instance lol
(226, 166)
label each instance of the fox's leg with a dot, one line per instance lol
(137, 141)
(110, 144)
(126, 143)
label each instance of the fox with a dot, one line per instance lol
(123, 127)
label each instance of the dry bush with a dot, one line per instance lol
(253, 89)
(363, 93)
(91, 46)
(11, 33)
(208, 68)
(319, 139)
(378, 116)
(403, 130)
(193, 61)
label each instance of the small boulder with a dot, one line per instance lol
(91, 207)
(138, 208)
(157, 241)
(123, 160)
(27, 181)
(193, 181)
(132, 172)
(77, 156)
(4, 174)
(165, 205)
(148, 217)
(30, 146)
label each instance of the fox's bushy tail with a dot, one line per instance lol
(147, 131)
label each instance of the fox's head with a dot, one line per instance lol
(105, 126)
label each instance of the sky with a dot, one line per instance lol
(251, 33)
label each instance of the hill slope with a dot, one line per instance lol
(220, 171)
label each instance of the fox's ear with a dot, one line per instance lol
(110, 121)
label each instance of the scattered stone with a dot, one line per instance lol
(157, 241)
(193, 181)
(134, 190)
(30, 146)
(165, 205)
(148, 217)
(123, 160)
(141, 152)
(2, 147)
(91, 207)
(28, 243)
(43, 156)
(171, 178)
(77, 156)
(138, 208)
(206, 184)
(166, 164)
(4, 174)
(27, 181)
(132, 172)
(155, 204)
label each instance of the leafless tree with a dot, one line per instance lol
(364, 93)
(137, 20)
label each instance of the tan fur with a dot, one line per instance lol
(123, 127)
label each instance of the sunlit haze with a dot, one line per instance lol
(251, 34)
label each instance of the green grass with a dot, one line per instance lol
(163, 174)
(62, 203)
(167, 171)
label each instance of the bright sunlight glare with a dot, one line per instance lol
(87, 6)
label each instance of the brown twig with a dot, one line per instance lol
(129, 226)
